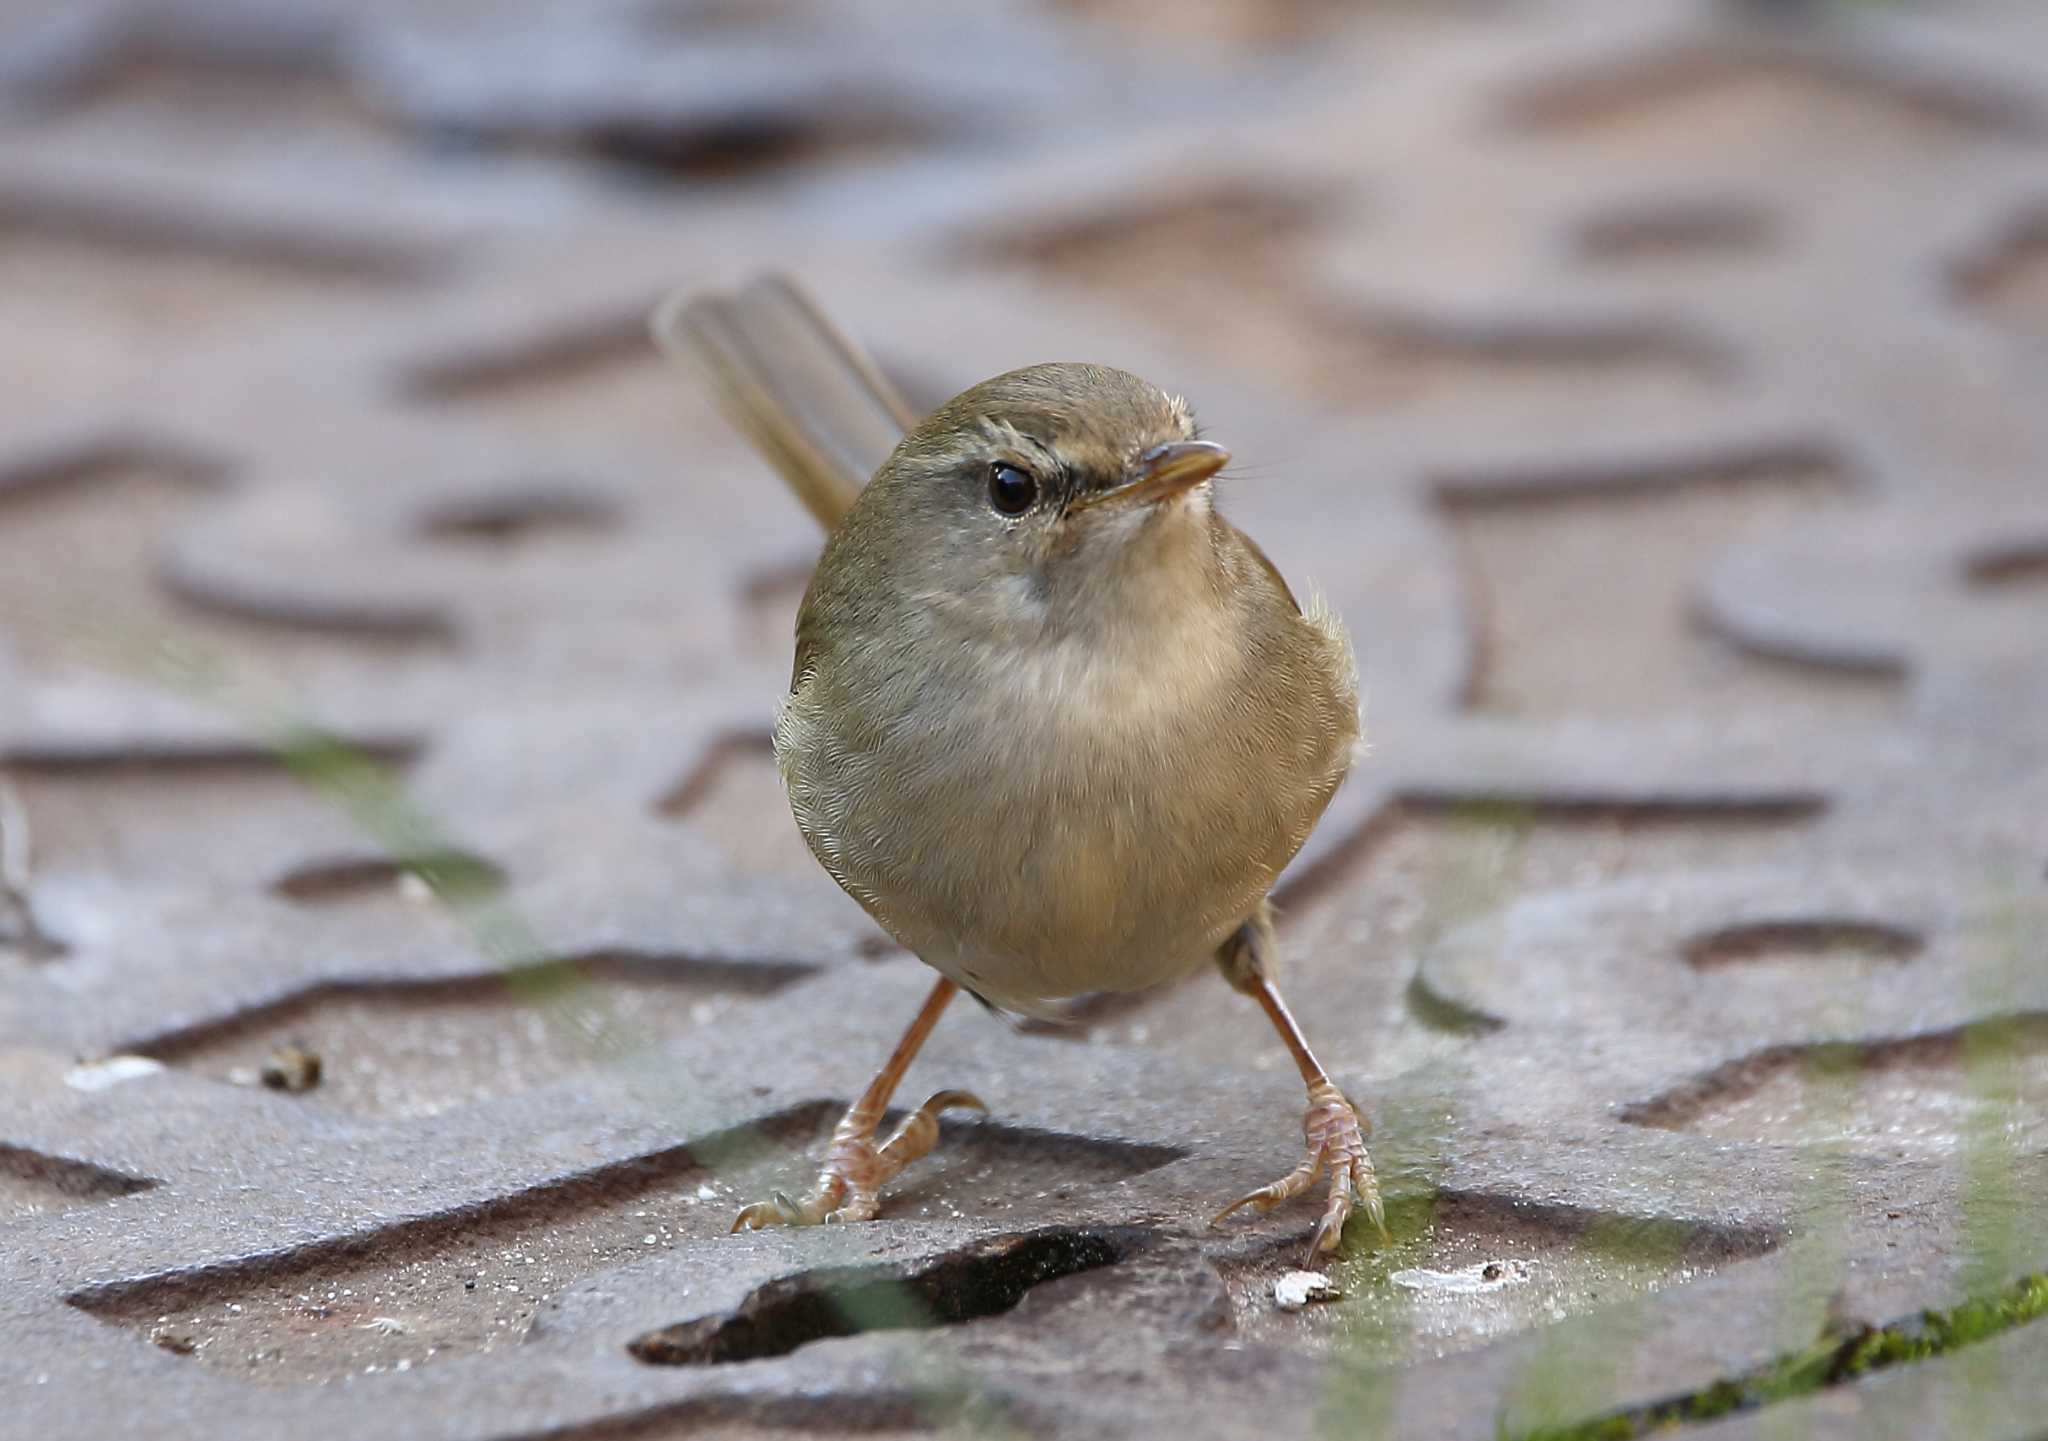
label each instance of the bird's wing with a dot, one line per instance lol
(809, 399)
(1279, 580)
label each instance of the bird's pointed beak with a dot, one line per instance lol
(1162, 472)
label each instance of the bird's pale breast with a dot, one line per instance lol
(1087, 816)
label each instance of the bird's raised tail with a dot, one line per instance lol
(809, 399)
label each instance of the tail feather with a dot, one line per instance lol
(808, 398)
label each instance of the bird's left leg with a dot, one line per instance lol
(1333, 1129)
(856, 1165)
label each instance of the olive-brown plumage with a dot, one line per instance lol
(1053, 721)
(1067, 750)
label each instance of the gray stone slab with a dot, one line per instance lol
(1652, 388)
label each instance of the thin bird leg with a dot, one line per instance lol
(856, 1168)
(1332, 1128)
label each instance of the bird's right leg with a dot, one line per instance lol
(856, 1168)
(1334, 1130)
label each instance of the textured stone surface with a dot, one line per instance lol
(1655, 388)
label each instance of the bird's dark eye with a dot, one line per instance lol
(1011, 490)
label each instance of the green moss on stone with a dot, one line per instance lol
(1829, 1361)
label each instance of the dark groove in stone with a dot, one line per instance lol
(1712, 225)
(65, 1177)
(277, 610)
(1784, 807)
(985, 1279)
(529, 983)
(138, 1301)
(2023, 563)
(452, 875)
(1735, 945)
(57, 472)
(197, 762)
(2022, 242)
(505, 519)
(1608, 92)
(110, 220)
(1786, 460)
(570, 349)
(1442, 1013)
(856, 1413)
(689, 792)
(1311, 880)
(1592, 344)
(1679, 1107)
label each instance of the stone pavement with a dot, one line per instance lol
(1659, 388)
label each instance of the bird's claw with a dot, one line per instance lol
(1335, 1136)
(856, 1168)
(780, 1209)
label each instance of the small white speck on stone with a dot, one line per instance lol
(1297, 1289)
(98, 1075)
(707, 1192)
(1480, 1277)
(648, 1239)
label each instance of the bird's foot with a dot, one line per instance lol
(1336, 1142)
(856, 1168)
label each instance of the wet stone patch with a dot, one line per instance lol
(1465, 1269)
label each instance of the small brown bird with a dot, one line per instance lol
(1054, 722)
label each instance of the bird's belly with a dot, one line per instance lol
(1047, 894)
(1110, 843)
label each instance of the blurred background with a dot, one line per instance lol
(1656, 386)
